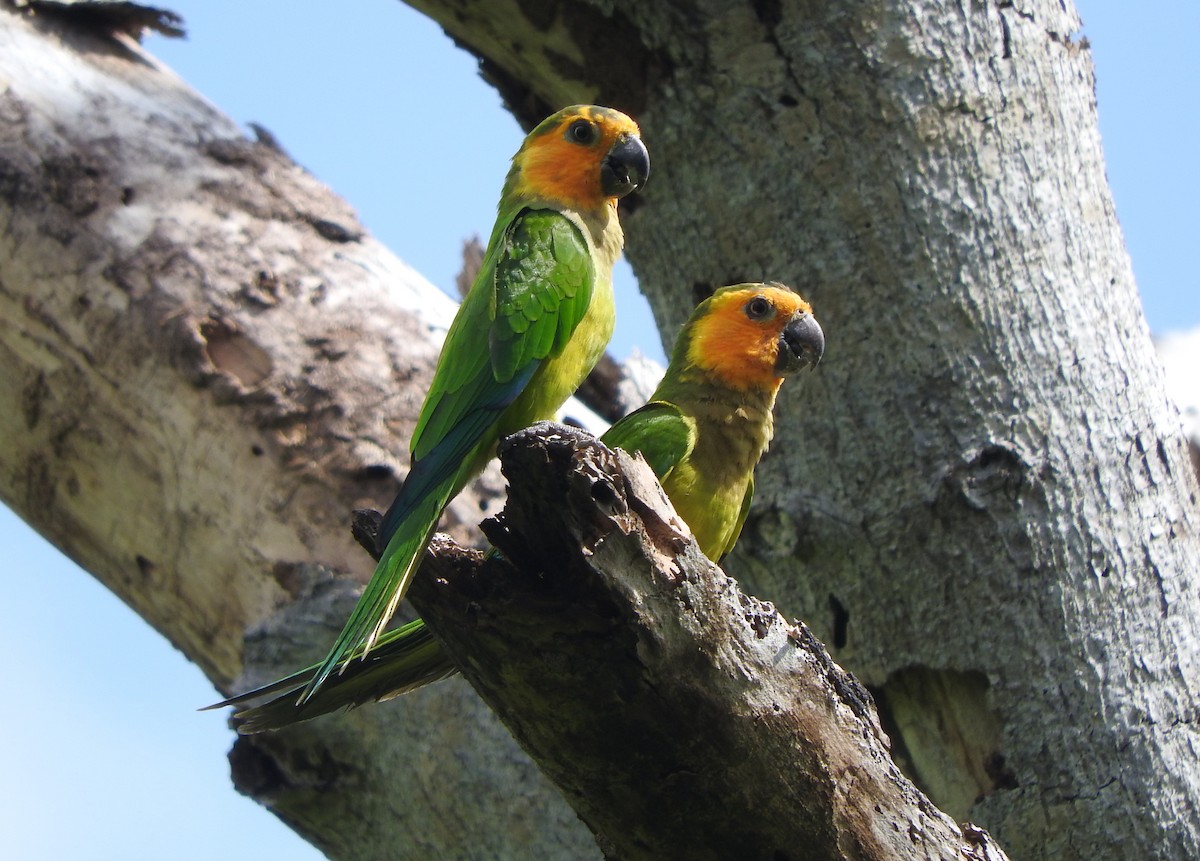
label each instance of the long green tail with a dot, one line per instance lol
(402, 660)
(387, 586)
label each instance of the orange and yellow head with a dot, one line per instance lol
(752, 336)
(582, 158)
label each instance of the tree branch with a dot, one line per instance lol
(679, 716)
(205, 362)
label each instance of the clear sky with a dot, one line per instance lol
(104, 754)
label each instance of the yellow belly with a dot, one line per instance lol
(559, 377)
(710, 509)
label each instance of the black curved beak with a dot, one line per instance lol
(626, 166)
(801, 344)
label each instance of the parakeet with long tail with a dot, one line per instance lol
(534, 323)
(703, 432)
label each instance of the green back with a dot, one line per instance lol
(533, 289)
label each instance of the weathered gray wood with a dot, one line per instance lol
(205, 365)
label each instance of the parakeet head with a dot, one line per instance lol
(582, 157)
(752, 336)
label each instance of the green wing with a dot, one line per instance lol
(532, 291)
(659, 432)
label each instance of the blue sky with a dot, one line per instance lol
(105, 756)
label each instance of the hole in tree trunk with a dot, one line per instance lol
(945, 736)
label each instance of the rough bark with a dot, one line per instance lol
(206, 365)
(985, 504)
(681, 717)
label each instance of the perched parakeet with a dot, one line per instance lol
(709, 421)
(531, 328)
(703, 431)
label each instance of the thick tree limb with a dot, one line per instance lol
(205, 364)
(681, 717)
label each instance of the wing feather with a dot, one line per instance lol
(659, 431)
(531, 293)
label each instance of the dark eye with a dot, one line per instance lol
(759, 308)
(581, 132)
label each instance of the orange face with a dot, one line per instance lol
(584, 157)
(737, 338)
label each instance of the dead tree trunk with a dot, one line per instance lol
(985, 504)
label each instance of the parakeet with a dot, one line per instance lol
(703, 431)
(709, 421)
(534, 323)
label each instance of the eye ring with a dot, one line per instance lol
(760, 308)
(581, 132)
